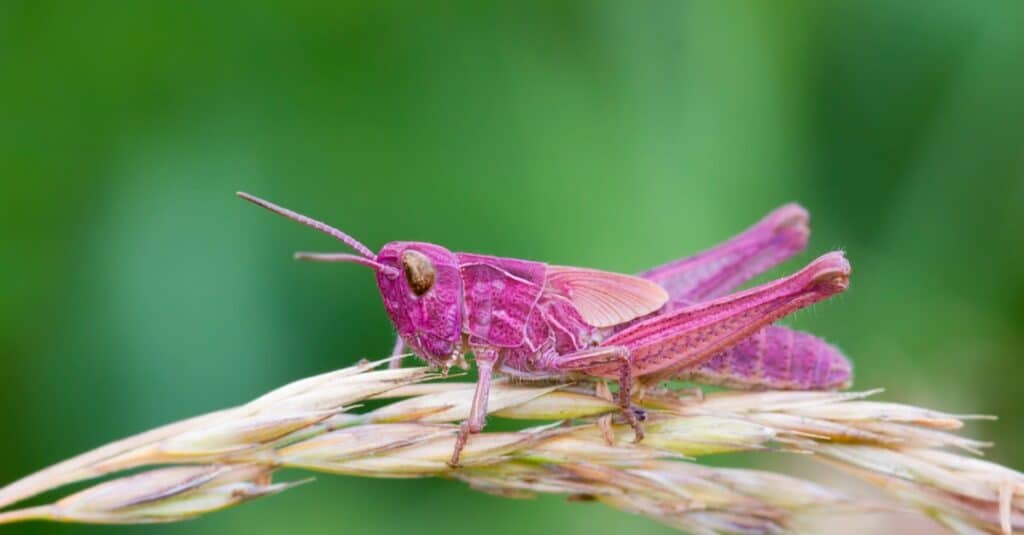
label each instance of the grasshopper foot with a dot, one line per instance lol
(635, 417)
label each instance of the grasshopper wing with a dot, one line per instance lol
(605, 299)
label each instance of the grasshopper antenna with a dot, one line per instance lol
(310, 222)
(342, 257)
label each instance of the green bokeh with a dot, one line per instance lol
(137, 290)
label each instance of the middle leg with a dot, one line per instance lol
(396, 360)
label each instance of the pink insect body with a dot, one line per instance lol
(537, 321)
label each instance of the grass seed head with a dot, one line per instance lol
(166, 495)
(310, 424)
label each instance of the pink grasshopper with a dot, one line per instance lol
(536, 321)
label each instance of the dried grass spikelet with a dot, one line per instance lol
(160, 495)
(228, 457)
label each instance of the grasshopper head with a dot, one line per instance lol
(419, 282)
(423, 298)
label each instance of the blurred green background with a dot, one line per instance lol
(137, 290)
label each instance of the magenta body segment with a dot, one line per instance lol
(776, 358)
(500, 295)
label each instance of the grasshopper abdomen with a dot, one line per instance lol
(776, 358)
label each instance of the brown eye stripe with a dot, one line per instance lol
(419, 271)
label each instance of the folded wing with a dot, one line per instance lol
(605, 299)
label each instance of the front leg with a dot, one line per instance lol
(396, 361)
(604, 356)
(486, 358)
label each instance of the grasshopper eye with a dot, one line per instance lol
(419, 271)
